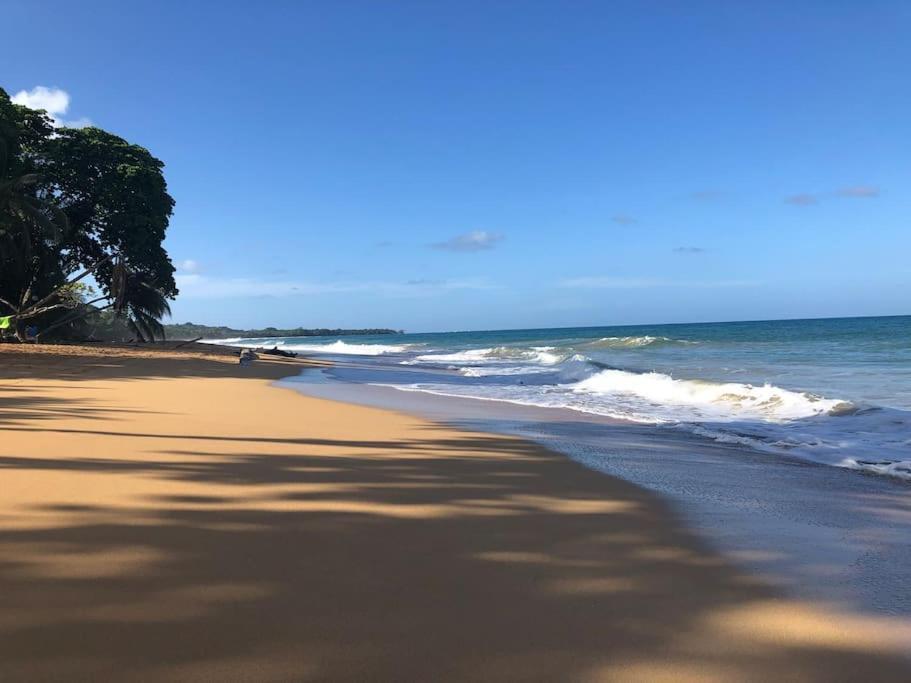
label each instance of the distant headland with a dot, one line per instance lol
(183, 331)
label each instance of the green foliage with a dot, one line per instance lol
(30, 227)
(116, 200)
(75, 199)
(76, 293)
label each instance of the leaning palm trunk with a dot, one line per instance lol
(132, 299)
(24, 312)
(83, 310)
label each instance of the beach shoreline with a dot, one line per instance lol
(819, 533)
(170, 515)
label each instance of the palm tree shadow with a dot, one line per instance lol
(429, 558)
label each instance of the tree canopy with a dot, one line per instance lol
(80, 201)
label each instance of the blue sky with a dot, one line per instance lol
(479, 165)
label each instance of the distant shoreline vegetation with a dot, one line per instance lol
(184, 331)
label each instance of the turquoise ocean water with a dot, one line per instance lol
(834, 391)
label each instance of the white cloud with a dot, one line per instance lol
(476, 240)
(607, 282)
(196, 286)
(54, 101)
(859, 191)
(188, 266)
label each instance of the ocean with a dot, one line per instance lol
(831, 391)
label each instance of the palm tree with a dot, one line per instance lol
(24, 216)
(30, 230)
(143, 305)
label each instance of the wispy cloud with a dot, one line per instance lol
(425, 282)
(476, 240)
(423, 286)
(851, 191)
(54, 101)
(802, 199)
(608, 282)
(187, 266)
(623, 219)
(690, 250)
(859, 191)
(198, 286)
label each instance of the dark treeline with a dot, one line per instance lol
(192, 331)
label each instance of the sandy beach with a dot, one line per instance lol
(169, 515)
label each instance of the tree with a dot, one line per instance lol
(30, 228)
(115, 198)
(84, 200)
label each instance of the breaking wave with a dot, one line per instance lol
(659, 397)
(336, 348)
(346, 349)
(545, 355)
(633, 342)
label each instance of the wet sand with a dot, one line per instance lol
(172, 516)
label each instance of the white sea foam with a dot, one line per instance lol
(873, 440)
(501, 371)
(632, 342)
(650, 397)
(345, 349)
(893, 468)
(669, 399)
(645, 397)
(545, 355)
(229, 341)
(336, 348)
(472, 355)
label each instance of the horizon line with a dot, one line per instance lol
(583, 327)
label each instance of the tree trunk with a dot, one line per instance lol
(21, 327)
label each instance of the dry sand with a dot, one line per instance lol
(171, 516)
